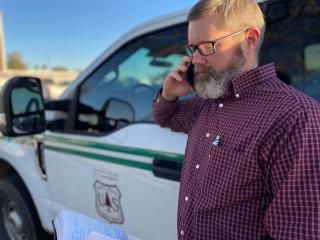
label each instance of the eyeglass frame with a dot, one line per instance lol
(213, 43)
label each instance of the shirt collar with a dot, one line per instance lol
(250, 79)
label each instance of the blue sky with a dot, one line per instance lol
(73, 33)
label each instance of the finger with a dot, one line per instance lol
(182, 68)
(177, 76)
(186, 60)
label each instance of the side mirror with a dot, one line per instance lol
(22, 107)
(118, 113)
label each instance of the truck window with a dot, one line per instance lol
(133, 74)
(292, 41)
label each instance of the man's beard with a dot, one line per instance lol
(210, 83)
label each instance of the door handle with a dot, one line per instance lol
(39, 155)
(167, 169)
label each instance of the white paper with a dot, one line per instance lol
(75, 226)
(98, 236)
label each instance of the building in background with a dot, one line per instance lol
(3, 60)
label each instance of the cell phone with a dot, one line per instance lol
(189, 75)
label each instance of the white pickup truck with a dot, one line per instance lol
(97, 151)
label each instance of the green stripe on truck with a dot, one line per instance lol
(130, 150)
(120, 161)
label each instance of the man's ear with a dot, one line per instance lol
(252, 39)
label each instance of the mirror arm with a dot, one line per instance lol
(58, 105)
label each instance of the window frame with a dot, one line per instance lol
(72, 118)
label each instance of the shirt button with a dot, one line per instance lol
(220, 105)
(182, 232)
(186, 198)
(208, 135)
(237, 95)
(197, 166)
(158, 100)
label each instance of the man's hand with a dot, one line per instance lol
(174, 85)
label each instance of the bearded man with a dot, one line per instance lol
(251, 168)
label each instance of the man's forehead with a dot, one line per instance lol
(204, 29)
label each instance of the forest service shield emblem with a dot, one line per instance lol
(108, 203)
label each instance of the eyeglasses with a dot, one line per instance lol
(209, 47)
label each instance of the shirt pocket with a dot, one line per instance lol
(232, 176)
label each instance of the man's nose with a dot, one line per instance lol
(198, 59)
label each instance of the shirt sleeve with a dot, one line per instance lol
(177, 115)
(294, 177)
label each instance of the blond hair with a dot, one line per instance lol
(232, 14)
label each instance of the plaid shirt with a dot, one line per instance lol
(252, 161)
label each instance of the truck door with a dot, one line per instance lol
(124, 170)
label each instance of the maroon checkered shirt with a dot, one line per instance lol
(252, 162)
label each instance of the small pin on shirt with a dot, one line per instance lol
(217, 140)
